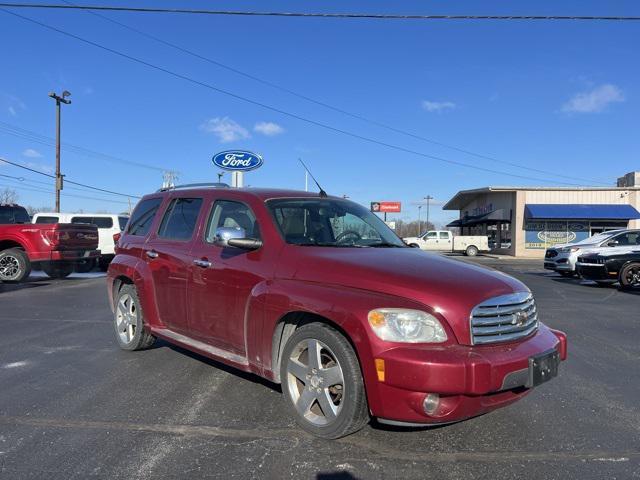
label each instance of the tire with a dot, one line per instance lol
(85, 266)
(345, 400)
(630, 276)
(103, 264)
(414, 245)
(602, 284)
(471, 251)
(128, 321)
(14, 265)
(58, 269)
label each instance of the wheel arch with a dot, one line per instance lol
(288, 324)
(7, 244)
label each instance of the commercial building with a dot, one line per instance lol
(524, 221)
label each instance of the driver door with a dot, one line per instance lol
(430, 241)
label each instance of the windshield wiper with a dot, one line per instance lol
(328, 244)
(385, 245)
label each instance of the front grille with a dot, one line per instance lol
(504, 318)
(592, 260)
(551, 253)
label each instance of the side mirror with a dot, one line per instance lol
(237, 238)
(224, 234)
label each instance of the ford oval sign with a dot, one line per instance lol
(237, 160)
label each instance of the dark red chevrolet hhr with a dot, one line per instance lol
(317, 294)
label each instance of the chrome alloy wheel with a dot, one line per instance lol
(9, 267)
(315, 382)
(126, 318)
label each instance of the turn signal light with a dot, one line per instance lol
(380, 369)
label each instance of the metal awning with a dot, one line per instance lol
(500, 215)
(580, 212)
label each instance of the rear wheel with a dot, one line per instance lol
(128, 321)
(322, 383)
(85, 266)
(14, 265)
(630, 276)
(471, 251)
(58, 269)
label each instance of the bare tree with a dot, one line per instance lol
(7, 195)
(33, 210)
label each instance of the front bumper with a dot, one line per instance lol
(596, 272)
(559, 265)
(469, 380)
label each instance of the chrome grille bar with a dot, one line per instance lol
(504, 318)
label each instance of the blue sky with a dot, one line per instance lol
(556, 96)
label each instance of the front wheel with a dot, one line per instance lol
(58, 269)
(471, 251)
(14, 265)
(630, 276)
(322, 383)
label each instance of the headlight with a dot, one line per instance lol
(405, 325)
(569, 249)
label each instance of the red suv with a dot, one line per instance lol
(317, 294)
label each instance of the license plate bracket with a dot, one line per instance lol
(543, 367)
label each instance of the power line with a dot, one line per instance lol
(44, 140)
(67, 181)
(329, 106)
(370, 16)
(52, 192)
(275, 109)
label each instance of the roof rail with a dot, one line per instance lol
(194, 185)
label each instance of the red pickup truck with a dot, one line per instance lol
(54, 247)
(317, 294)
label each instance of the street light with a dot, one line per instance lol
(419, 229)
(428, 198)
(59, 100)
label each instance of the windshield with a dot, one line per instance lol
(599, 237)
(330, 223)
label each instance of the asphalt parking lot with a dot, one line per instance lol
(74, 406)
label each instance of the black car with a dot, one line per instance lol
(617, 267)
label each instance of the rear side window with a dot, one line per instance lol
(100, 222)
(122, 222)
(13, 214)
(180, 219)
(444, 236)
(143, 216)
(47, 220)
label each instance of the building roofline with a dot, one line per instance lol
(475, 191)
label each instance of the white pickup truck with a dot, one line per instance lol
(445, 241)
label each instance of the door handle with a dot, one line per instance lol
(151, 254)
(204, 263)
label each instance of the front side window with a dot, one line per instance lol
(143, 216)
(180, 219)
(431, 236)
(330, 223)
(626, 239)
(230, 214)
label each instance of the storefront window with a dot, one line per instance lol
(543, 234)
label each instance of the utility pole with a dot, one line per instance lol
(428, 198)
(59, 100)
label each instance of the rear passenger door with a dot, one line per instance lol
(168, 255)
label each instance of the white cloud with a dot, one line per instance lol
(269, 129)
(226, 129)
(437, 107)
(31, 153)
(39, 166)
(595, 100)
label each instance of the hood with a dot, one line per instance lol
(451, 287)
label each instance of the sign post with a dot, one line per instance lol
(237, 162)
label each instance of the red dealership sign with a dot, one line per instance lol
(386, 207)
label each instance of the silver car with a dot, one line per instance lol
(562, 258)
